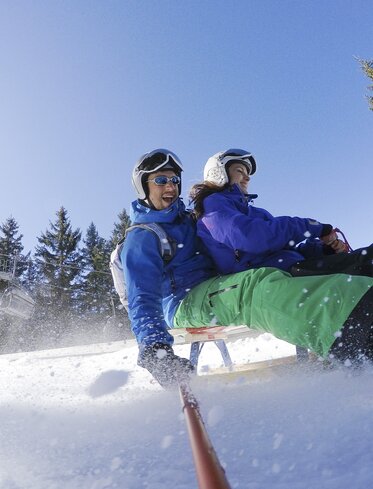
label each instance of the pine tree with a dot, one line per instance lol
(14, 263)
(120, 228)
(11, 247)
(97, 283)
(31, 274)
(367, 67)
(59, 264)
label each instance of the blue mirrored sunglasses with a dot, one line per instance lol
(163, 180)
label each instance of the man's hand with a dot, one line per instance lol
(167, 368)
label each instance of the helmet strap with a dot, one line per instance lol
(147, 203)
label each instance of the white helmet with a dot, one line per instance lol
(215, 168)
(152, 162)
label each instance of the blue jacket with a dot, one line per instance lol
(155, 288)
(239, 236)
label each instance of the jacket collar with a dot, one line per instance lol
(140, 213)
(237, 194)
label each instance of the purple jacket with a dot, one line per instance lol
(239, 236)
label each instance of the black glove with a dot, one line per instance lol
(326, 229)
(167, 368)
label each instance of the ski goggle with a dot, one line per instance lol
(237, 154)
(163, 180)
(158, 159)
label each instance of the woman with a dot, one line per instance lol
(240, 236)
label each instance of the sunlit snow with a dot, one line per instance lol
(87, 417)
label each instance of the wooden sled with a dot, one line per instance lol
(197, 337)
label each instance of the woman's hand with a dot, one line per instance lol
(336, 244)
(339, 246)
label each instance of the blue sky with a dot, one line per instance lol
(86, 87)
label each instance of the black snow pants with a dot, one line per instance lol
(355, 343)
(358, 262)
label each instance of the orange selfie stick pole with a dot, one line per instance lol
(210, 473)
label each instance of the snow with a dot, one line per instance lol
(87, 417)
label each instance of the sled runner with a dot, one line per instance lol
(197, 337)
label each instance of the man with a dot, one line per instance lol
(185, 291)
(156, 288)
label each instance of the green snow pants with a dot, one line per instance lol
(304, 311)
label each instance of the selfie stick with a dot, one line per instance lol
(210, 473)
